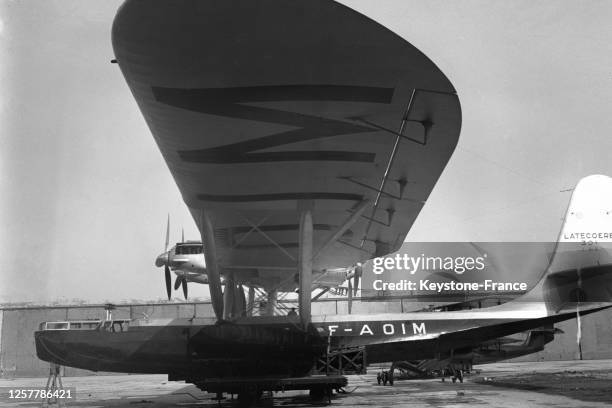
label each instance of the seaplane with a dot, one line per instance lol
(305, 138)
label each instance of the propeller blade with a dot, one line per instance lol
(184, 283)
(177, 282)
(182, 234)
(168, 281)
(167, 233)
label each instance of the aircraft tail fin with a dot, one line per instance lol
(580, 270)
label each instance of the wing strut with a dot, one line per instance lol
(271, 301)
(383, 182)
(212, 265)
(305, 266)
(321, 293)
(229, 296)
(354, 217)
(250, 301)
(240, 305)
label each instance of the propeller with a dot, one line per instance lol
(166, 267)
(164, 260)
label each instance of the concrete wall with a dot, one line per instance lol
(17, 325)
(596, 340)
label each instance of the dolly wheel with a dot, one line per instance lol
(248, 398)
(317, 393)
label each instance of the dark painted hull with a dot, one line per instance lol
(277, 347)
(218, 350)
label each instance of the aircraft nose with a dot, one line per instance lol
(48, 349)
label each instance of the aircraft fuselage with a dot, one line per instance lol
(278, 346)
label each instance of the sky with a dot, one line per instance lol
(85, 192)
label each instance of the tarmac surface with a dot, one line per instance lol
(544, 384)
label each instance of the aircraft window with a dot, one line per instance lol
(105, 325)
(120, 326)
(90, 325)
(115, 326)
(188, 250)
(56, 326)
(83, 325)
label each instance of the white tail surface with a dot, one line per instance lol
(586, 235)
(581, 267)
(589, 215)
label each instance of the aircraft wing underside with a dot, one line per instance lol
(263, 108)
